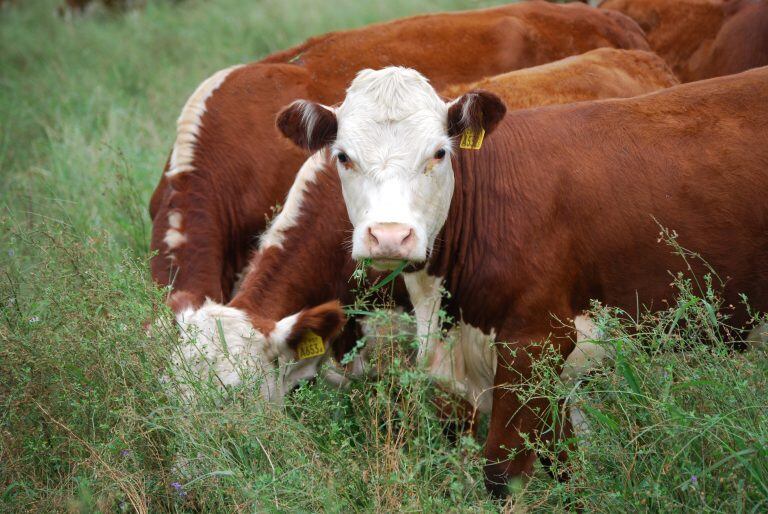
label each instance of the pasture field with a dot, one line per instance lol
(87, 423)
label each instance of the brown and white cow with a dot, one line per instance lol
(560, 206)
(702, 38)
(600, 73)
(230, 166)
(303, 258)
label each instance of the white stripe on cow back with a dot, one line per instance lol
(289, 215)
(188, 124)
(174, 237)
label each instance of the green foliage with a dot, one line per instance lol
(88, 421)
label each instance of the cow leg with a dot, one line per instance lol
(457, 415)
(585, 357)
(192, 263)
(512, 421)
(561, 430)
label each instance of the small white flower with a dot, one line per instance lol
(34, 319)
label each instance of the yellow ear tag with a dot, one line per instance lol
(472, 140)
(311, 345)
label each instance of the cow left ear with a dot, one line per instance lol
(309, 125)
(474, 111)
(308, 333)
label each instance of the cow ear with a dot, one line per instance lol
(475, 110)
(308, 124)
(308, 333)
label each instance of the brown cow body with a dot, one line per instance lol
(560, 225)
(601, 73)
(564, 205)
(702, 38)
(230, 167)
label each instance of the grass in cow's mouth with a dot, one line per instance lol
(388, 264)
(87, 423)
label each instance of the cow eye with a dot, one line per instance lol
(440, 154)
(342, 157)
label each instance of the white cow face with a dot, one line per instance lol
(221, 343)
(392, 139)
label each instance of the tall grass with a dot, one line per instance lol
(88, 423)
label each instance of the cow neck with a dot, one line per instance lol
(311, 265)
(493, 206)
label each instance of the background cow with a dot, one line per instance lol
(229, 166)
(702, 38)
(561, 206)
(600, 73)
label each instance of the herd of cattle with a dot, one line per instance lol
(427, 140)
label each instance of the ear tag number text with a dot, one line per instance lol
(471, 139)
(311, 345)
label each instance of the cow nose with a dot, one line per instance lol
(390, 240)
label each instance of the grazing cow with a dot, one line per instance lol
(229, 165)
(702, 38)
(556, 207)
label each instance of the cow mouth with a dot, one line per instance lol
(380, 264)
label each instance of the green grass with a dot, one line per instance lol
(87, 112)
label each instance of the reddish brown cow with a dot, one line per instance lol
(230, 166)
(601, 73)
(703, 38)
(561, 205)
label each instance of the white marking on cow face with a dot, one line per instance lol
(289, 215)
(189, 122)
(220, 342)
(393, 153)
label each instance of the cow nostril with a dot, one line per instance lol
(373, 239)
(408, 237)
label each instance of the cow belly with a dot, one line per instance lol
(466, 364)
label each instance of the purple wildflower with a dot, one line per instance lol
(179, 489)
(694, 479)
(125, 453)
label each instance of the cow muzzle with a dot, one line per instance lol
(390, 241)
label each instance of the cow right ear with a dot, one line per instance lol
(309, 125)
(476, 110)
(308, 333)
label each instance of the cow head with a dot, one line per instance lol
(392, 139)
(225, 343)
